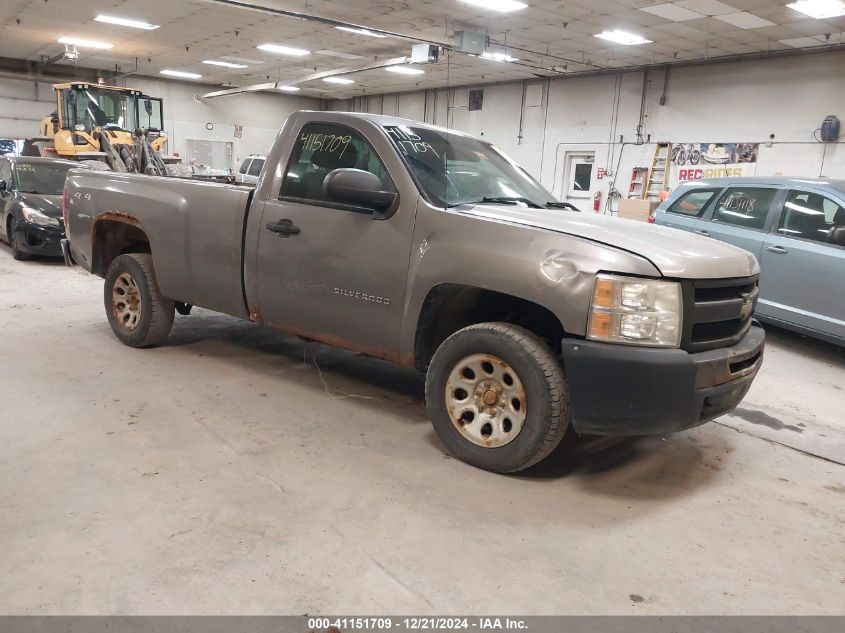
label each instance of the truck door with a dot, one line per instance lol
(741, 217)
(803, 274)
(330, 271)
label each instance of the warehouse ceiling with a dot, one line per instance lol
(546, 38)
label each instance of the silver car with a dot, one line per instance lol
(796, 229)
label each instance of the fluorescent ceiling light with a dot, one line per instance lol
(405, 70)
(180, 73)
(367, 32)
(215, 62)
(337, 80)
(73, 41)
(498, 57)
(819, 9)
(288, 88)
(622, 37)
(284, 50)
(498, 5)
(135, 24)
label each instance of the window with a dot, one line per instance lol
(580, 176)
(150, 113)
(747, 207)
(99, 107)
(692, 203)
(255, 168)
(476, 100)
(245, 166)
(810, 216)
(42, 178)
(322, 148)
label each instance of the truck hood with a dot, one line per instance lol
(673, 252)
(48, 205)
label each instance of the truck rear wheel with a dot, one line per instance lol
(497, 397)
(139, 315)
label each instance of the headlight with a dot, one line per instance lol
(635, 311)
(36, 217)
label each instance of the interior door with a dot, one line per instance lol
(804, 275)
(336, 273)
(742, 216)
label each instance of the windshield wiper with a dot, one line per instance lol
(561, 205)
(504, 200)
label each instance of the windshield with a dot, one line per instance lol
(95, 107)
(452, 169)
(42, 178)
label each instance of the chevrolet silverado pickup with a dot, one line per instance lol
(432, 249)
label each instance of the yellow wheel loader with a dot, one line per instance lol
(118, 127)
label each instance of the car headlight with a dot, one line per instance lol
(635, 311)
(36, 217)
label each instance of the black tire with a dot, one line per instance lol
(17, 253)
(547, 408)
(152, 313)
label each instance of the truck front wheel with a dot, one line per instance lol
(497, 397)
(139, 315)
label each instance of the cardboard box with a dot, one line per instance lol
(636, 208)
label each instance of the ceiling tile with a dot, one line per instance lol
(707, 7)
(745, 20)
(672, 12)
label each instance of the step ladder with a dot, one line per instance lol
(639, 180)
(658, 179)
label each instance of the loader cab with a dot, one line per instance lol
(85, 107)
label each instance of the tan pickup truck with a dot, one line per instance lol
(433, 249)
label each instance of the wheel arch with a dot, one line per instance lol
(449, 307)
(113, 235)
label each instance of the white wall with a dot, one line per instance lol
(24, 103)
(22, 106)
(722, 103)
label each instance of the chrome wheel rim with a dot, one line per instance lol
(486, 400)
(126, 302)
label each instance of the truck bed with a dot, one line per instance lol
(194, 228)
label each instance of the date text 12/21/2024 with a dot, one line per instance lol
(338, 624)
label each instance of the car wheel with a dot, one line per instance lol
(497, 397)
(17, 253)
(139, 315)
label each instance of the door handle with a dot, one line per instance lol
(777, 249)
(703, 232)
(285, 228)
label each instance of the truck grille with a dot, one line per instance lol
(717, 312)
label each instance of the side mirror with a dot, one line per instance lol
(3, 186)
(836, 235)
(361, 188)
(148, 107)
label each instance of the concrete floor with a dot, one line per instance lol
(220, 474)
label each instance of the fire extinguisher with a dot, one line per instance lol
(597, 202)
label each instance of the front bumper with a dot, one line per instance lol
(39, 240)
(623, 390)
